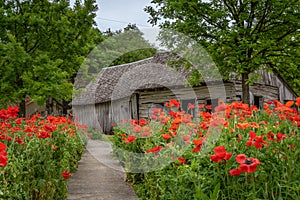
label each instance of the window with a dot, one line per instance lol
(213, 103)
(239, 97)
(258, 101)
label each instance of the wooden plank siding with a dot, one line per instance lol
(151, 97)
(268, 92)
(284, 90)
(114, 112)
(104, 116)
(86, 114)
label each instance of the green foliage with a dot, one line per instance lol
(42, 45)
(240, 36)
(117, 48)
(271, 135)
(35, 164)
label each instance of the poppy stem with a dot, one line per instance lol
(246, 181)
(253, 183)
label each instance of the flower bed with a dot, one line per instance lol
(236, 152)
(37, 155)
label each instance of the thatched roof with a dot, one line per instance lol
(121, 81)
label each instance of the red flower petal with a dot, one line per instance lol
(166, 136)
(220, 151)
(240, 158)
(215, 158)
(227, 156)
(2, 146)
(235, 172)
(252, 135)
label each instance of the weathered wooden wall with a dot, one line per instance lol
(269, 78)
(104, 116)
(86, 114)
(116, 112)
(268, 92)
(151, 97)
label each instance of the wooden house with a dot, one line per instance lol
(131, 90)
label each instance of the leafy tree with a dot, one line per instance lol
(143, 48)
(120, 47)
(241, 36)
(42, 45)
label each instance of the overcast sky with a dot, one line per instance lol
(117, 14)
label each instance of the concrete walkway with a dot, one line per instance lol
(99, 176)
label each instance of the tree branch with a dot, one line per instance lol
(206, 18)
(252, 14)
(262, 19)
(233, 12)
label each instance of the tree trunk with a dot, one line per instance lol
(49, 106)
(245, 88)
(65, 107)
(22, 108)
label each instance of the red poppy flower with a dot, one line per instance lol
(156, 111)
(134, 122)
(235, 172)
(66, 174)
(187, 118)
(50, 127)
(146, 134)
(19, 120)
(177, 120)
(166, 136)
(247, 164)
(220, 108)
(186, 138)
(154, 117)
(172, 114)
(154, 150)
(3, 155)
(298, 101)
(182, 161)
(220, 154)
(270, 136)
(280, 136)
(289, 104)
(191, 106)
(2, 147)
(208, 107)
(142, 122)
(253, 108)
(20, 140)
(196, 149)
(215, 158)
(197, 142)
(201, 106)
(203, 125)
(3, 159)
(137, 128)
(43, 135)
(243, 125)
(175, 103)
(130, 138)
(220, 151)
(257, 141)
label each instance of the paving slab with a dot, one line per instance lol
(99, 176)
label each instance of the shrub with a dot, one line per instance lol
(41, 154)
(236, 152)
